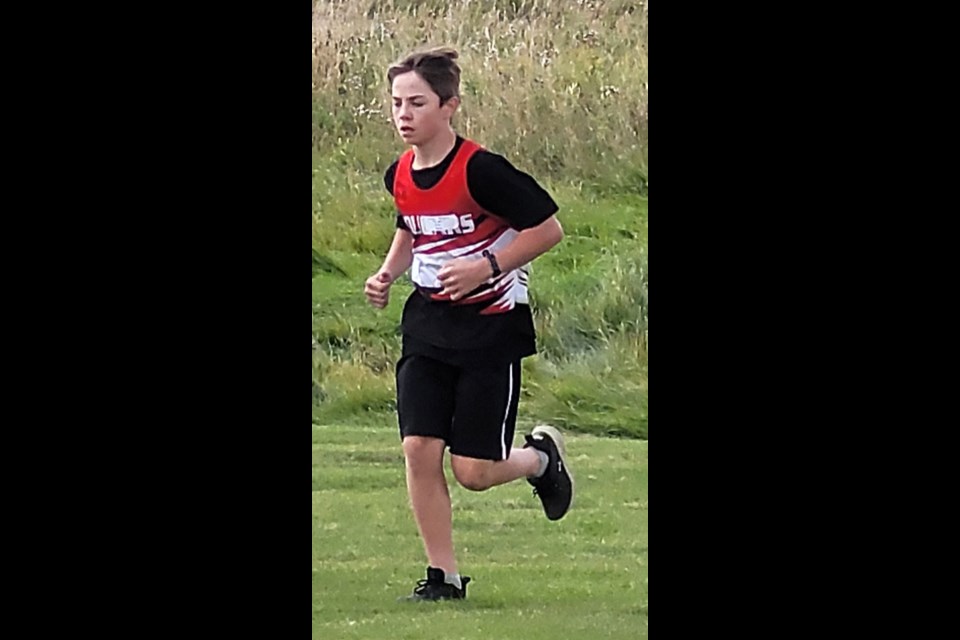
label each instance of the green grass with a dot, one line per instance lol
(588, 295)
(582, 577)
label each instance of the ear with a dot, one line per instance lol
(451, 105)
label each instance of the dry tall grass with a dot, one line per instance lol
(560, 86)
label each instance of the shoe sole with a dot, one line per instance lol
(554, 434)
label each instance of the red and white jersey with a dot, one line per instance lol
(447, 223)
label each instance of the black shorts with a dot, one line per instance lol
(474, 409)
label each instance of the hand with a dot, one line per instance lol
(377, 289)
(460, 276)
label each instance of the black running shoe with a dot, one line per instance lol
(434, 588)
(555, 486)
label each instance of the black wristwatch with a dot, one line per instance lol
(493, 263)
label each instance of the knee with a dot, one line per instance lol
(423, 452)
(472, 474)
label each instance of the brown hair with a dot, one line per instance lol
(436, 66)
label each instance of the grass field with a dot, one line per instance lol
(584, 576)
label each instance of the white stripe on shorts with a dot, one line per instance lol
(503, 429)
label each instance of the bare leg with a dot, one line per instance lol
(479, 475)
(430, 499)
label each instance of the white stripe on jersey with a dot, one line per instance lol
(512, 284)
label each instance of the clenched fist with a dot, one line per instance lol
(377, 289)
(462, 275)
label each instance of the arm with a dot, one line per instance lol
(399, 258)
(461, 276)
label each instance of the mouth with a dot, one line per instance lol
(405, 130)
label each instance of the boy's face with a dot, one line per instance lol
(417, 112)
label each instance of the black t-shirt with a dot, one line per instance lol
(457, 333)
